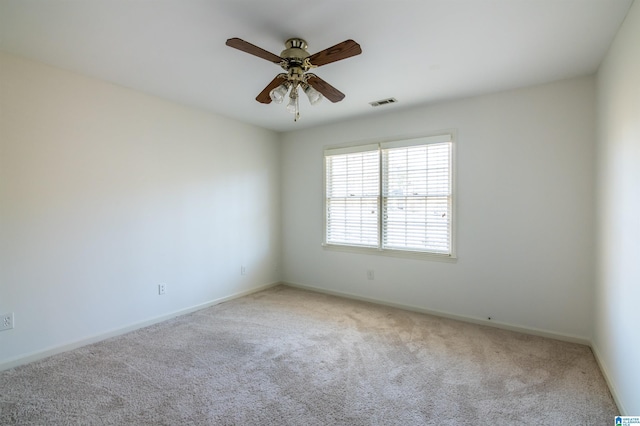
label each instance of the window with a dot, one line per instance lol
(393, 196)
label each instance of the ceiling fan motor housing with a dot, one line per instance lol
(295, 52)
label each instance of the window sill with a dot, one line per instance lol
(392, 253)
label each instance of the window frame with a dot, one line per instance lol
(440, 137)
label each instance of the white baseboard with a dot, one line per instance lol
(481, 321)
(608, 379)
(35, 356)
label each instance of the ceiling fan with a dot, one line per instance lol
(296, 61)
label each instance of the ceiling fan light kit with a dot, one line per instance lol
(297, 62)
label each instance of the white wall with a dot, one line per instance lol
(106, 192)
(617, 294)
(525, 176)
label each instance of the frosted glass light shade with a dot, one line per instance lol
(277, 95)
(313, 95)
(292, 107)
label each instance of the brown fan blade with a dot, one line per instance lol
(329, 92)
(344, 50)
(253, 50)
(264, 97)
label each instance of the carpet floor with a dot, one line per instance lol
(286, 356)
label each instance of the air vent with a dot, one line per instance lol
(383, 102)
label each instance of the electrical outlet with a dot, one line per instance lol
(243, 270)
(6, 321)
(370, 275)
(162, 287)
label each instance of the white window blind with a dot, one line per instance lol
(353, 189)
(392, 196)
(416, 198)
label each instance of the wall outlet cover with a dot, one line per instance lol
(6, 321)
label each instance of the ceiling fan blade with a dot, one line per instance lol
(264, 97)
(247, 47)
(327, 90)
(344, 50)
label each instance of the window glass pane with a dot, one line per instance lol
(417, 198)
(352, 221)
(417, 223)
(352, 185)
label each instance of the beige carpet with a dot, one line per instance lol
(291, 357)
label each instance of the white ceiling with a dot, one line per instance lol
(418, 51)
